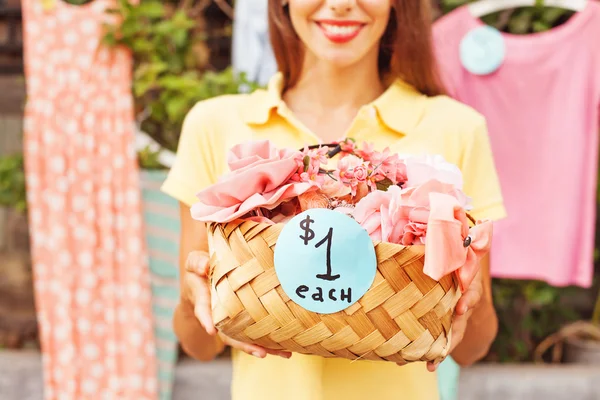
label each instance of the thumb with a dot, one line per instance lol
(198, 262)
(199, 292)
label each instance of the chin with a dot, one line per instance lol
(341, 60)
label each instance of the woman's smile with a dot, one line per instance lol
(340, 31)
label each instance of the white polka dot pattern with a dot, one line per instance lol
(91, 276)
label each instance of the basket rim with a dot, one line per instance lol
(419, 248)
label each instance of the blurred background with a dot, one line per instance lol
(183, 52)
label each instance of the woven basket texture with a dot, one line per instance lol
(404, 317)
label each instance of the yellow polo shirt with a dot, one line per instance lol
(402, 119)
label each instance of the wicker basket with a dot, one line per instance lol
(404, 317)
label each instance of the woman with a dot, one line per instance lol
(348, 68)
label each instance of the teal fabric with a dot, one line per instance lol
(161, 219)
(448, 374)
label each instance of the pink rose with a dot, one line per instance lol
(420, 169)
(346, 165)
(401, 173)
(395, 216)
(414, 234)
(360, 173)
(260, 177)
(398, 215)
(352, 171)
(383, 215)
(368, 212)
(334, 188)
(419, 196)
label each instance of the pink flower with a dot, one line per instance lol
(386, 167)
(346, 171)
(348, 146)
(368, 212)
(366, 152)
(420, 169)
(334, 187)
(260, 177)
(383, 215)
(347, 164)
(309, 164)
(394, 216)
(399, 215)
(381, 158)
(360, 173)
(419, 196)
(401, 173)
(312, 175)
(414, 234)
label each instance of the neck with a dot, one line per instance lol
(324, 87)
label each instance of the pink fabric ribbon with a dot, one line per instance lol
(451, 247)
(260, 177)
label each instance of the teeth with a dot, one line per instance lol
(340, 30)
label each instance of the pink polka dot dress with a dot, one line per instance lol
(90, 268)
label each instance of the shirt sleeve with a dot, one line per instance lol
(481, 181)
(195, 163)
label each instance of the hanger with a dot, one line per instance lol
(485, 7)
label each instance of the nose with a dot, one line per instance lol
(340, 6)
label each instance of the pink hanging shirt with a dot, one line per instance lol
(542, 108)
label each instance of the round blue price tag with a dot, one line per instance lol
(324, 260)
(482, 50)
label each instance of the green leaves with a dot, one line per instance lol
(12, 182)
(306, 162)
(518, 21)
(148, 159)
(540, 295)
(171, 70)
(528, 312)
(176, 108)
(384, 184)
(150, 9)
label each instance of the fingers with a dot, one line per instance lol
(254, 350)
(198, 263)
(469, 300)
(202, 309)
(197, 266)
(459, 325)
(280, 353)
(198, 291)
(432, 367)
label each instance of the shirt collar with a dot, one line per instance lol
(400, 107)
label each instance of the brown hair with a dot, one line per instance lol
(405, 50)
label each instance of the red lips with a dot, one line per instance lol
(340, 31)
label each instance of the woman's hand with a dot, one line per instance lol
(463, 311)
(475, 323)
(197, 290)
